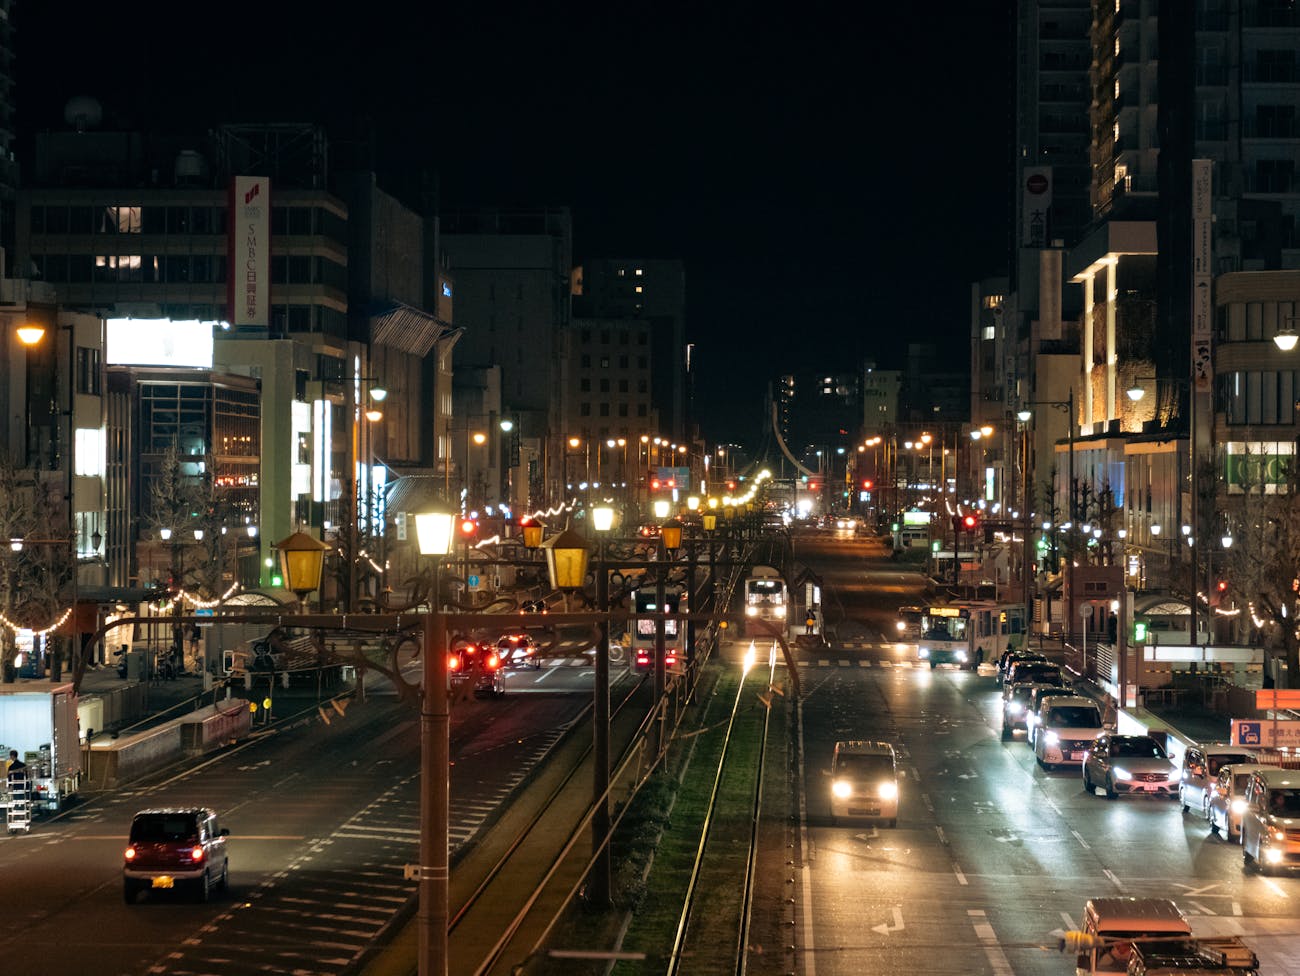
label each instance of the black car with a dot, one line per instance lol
(481, 664)
(175, 847)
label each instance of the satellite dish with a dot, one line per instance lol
(83, 112)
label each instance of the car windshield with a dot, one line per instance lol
(867, 766)
(1041, 674)
(1218, 762)
(1075, 717)
(1138, 747)
(162, 829)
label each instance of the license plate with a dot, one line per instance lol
(1152, 787)
(1077, 755)
(164, 881)
(864, 811)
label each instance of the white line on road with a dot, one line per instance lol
(1052, 803)
(961, 878)
(1200, 908)
(1236, 908)
(1069, 922)
(544, 675)
(1079, 837)
(989, 940)
(1277, 888)
(925, 798)
(1113, 878)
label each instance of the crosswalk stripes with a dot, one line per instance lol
(865, 663)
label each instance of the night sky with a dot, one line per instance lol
(833, 177)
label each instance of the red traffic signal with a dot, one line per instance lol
(970, 522)
(867, 483)
(468, 528)
(1223, 585)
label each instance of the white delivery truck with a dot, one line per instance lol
(38, 719)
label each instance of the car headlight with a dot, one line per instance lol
(901, 626)
(1274, 855)
(1277, 833)
(961, 655)
(779, 611)
(1015, 707)
(923, 652)
(1239, 805)
(1051, 738)
(1122, 773)
(842, 788)
(888, 790)
(751, 611)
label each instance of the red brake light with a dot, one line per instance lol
(129, 854)
(196, 854)
(453, 662)
(493, 662)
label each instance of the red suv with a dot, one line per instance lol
(175, 847)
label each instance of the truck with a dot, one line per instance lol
(38, 720)
(1220, 956)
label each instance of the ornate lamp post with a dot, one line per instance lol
(435, 532)
(566, 561)
(301, 560)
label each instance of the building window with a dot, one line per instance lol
(585, 361)
(639, 273)
(641, 410)
(584, 336)
(622, 409)
(584, 385)
(604, 362)
(641, 362)
(88, 371)
(604, 337)
(642, 386)
(604, 386)
(622, 386)
(604, 409)
(584, 410)
(622, 337)
(642, 339)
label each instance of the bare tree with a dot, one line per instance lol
(1262, 512)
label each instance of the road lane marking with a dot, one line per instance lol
(989, 940)
(1069, 922)
(961, 878)
(1052, 803)
(942, 839)
(1113, 878)
(886, 928)
(1200, 908)
(1277, 888)
(1079, 837)
(544, 675)
(1236, 908)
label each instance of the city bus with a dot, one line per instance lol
(643, 633)
(765, 596)
(968, 632)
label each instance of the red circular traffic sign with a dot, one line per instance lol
(1037, 183)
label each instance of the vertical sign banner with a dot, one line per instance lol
(1202, 303)
(1036, 199)
(248, 233)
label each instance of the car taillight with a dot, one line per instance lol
(129, 854)
(453, 662)
(493, 662)
(196, 854)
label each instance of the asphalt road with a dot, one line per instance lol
(992, 856)
(322, 820)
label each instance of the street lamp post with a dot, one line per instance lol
(1024, 415)
(602, 520)
(434, 533)
(671, 535)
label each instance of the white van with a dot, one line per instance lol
(1200, 773)
(1118, 921)
(1270, 824)
(1067, 725)
(864, 782)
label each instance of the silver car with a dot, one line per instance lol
(1225, 800)
(1134, 765)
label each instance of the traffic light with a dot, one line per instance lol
(468, 529)
(970, 522)
(867, 484)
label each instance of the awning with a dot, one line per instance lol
(404, 327)
(415, 493)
